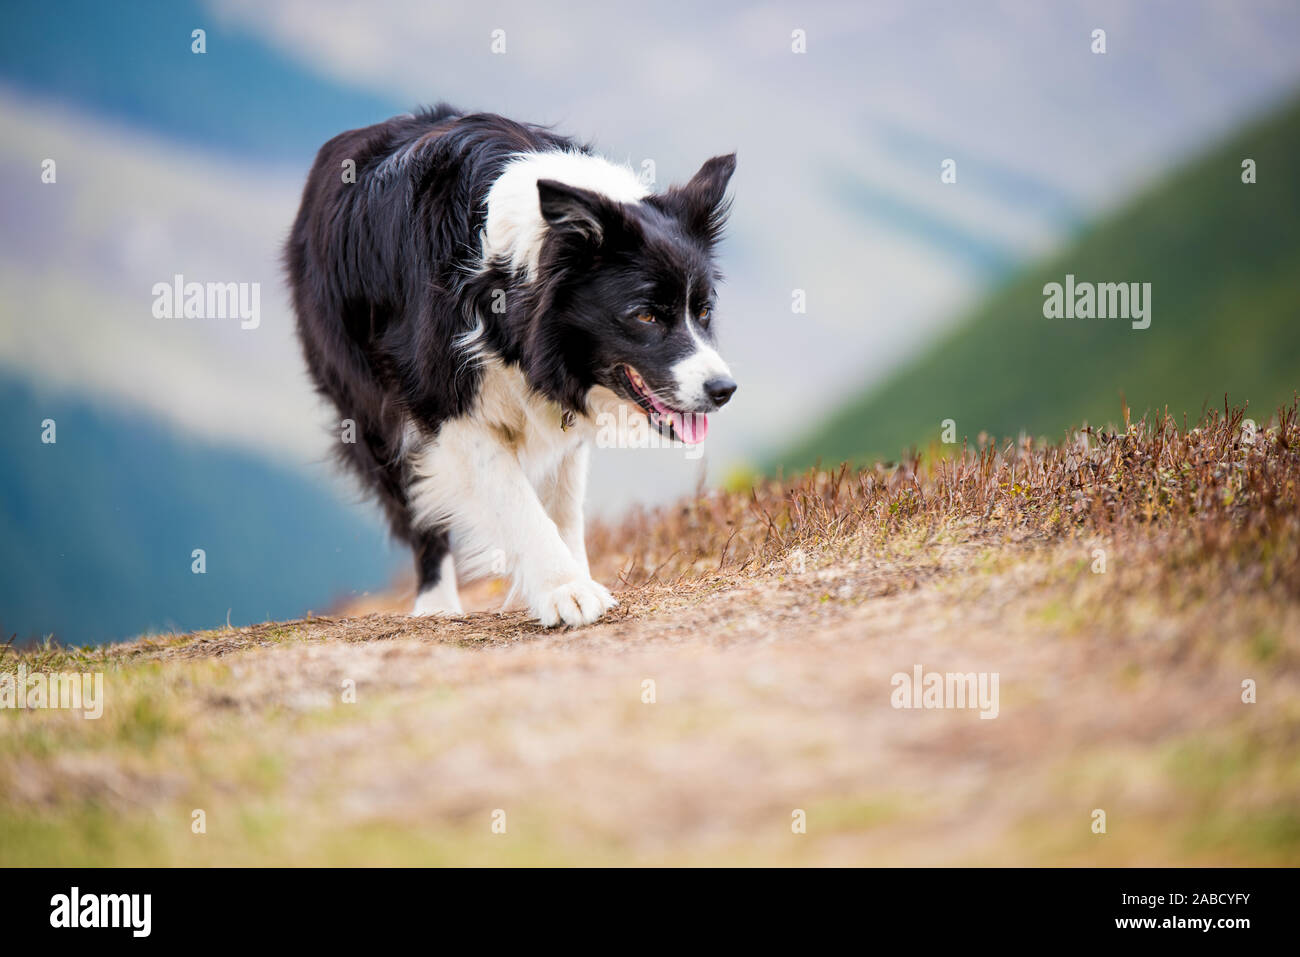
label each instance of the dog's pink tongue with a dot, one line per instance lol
(691, 427)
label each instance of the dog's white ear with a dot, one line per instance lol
(572, 209)
(702, 203)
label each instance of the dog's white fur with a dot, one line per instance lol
(696, 369)
(515, 229)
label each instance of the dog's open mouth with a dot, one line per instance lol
(690, 427)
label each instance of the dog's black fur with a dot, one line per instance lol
(386, 275)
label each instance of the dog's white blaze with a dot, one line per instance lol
(514, 229)
(442, 598)
(690, 374)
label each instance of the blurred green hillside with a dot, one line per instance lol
(97, 530)
(1223, 258)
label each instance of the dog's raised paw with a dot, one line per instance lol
(579, 602)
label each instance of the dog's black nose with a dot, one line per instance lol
(720, 389)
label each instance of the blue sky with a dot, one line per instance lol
(171, 162)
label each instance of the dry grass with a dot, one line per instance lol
(771, 621)
(1208, 494)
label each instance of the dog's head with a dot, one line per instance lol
(630, 294)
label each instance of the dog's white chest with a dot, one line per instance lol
(530, 426)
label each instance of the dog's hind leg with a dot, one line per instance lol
(435, 573)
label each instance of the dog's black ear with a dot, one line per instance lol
(571, 209)
(702, 204)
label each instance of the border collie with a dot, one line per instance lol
(472, 293)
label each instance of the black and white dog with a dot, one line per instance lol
(472, 293)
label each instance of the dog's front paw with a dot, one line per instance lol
(577, 602)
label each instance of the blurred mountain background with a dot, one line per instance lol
(1223, 260)
(180, 434)
(101, 526)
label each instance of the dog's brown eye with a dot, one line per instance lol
(704, 314)
(644, 317)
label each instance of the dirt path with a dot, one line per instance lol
(771, 694)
